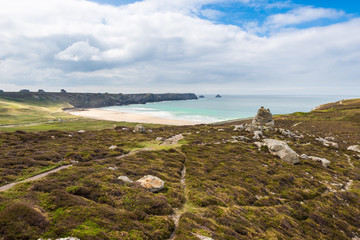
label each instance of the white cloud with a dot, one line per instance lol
(79, 51)
(303, 15)
(157, 47)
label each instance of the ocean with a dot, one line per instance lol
(228, 107)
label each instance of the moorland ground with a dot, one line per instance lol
(231, 189)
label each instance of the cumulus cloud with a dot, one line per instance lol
(156, 47)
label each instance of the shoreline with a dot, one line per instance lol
(111, 115)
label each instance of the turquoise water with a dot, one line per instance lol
(211, 109)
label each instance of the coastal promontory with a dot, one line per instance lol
(94, 100)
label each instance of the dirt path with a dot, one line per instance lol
(179, 212)
(10, 185)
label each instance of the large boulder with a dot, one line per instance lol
(355, 148)
(263, 118)
(151, 183)
(281, 149)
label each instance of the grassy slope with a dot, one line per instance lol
(233, 190)
(44, 116)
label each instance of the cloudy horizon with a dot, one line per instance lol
(201, 46)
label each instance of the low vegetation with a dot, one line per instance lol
(233, 189)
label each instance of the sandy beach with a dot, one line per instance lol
(101, 114)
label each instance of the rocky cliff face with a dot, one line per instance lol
(93, 100)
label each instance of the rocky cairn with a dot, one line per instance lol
(263, 118)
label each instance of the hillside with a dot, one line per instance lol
(221, 181)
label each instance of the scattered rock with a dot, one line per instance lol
(281, 149)
(159, 139)
(53, 137)
(81, 131)
(326, 142)
(323, 161)
(139, 129)
(355, 148)
(330, 138)
(288, 133)
(173, 140)
(239, 127)
(221, 130)
(112, 147)
(258, 135)
(151, 183)
(125, 179)
(304, 156)
(263, 118)
(258, 144)
(112, 168)
(150, 130)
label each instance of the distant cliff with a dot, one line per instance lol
(94, 100)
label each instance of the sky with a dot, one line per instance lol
(273, 47)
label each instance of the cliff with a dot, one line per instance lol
(94, 100)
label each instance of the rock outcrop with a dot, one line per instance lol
(151, 183)
(263, 118)
(281, 149)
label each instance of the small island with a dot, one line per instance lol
(218, 96)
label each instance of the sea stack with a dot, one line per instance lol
(263, 118)
(218, 96)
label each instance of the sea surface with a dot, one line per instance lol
(228, 107)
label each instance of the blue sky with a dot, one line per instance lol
(238, 13)
(206, 46)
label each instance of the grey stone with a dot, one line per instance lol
(326, 142)
(112, 147)
(125, 179)
(258, 144)
(159, 139)
(239, 127)
(355, 148)
(323, 161)
(281, 149)
(257, 135)
(151, 183)
(139, 129)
